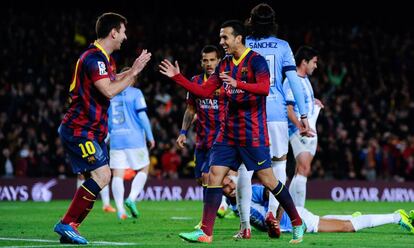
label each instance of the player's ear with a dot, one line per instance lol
(113, 33)
(239, 39)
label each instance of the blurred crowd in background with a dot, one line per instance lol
(364, 79)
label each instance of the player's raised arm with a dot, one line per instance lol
(173, 72)
(111, 88)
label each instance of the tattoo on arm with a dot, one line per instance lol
(188, 118)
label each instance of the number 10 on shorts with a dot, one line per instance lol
(87, 149)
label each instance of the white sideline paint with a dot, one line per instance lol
(57, 241)
(181, 218)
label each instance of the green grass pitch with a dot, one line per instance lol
(30, 224)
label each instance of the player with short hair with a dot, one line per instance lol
(207, 113)
(278, 54)
(304, 148)
(129, 132)
(85, 124)
(243, 135)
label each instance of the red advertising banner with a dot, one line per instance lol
(47, 189)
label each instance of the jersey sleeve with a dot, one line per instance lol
(96, 67)
(288, 62)
(204, 90)
(140, 103)
(262, 76)
(290, 99)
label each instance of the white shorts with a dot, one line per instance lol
(279, 138)
(136, 158)
(303, 144)
(311, 220)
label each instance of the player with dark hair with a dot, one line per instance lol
(278, 54)
(304, 148)
(85, 124)
(208, 113)
(243, 135)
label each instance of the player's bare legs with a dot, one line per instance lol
(331, 225)
(101, 175)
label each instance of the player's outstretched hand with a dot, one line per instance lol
(141, 62)
(169, 69)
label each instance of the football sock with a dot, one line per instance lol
(137, 185)
(373, 220)
(224, 202)
(279, 170)
(79, 182)
(338, 217)
(211, 205)
(244, 193)
(118, 193)
(105, 195)
(82, 202)
(297, 190)
(285, 200)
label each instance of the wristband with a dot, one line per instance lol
(304, 116)
(182, 131)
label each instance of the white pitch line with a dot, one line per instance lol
(181, 218)
(36, 246)
(56, 241)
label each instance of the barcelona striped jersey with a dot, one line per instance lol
(210, 113)
(87, 114)
(244, 122)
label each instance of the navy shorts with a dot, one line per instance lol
(202, 162)
(84, 154)
(255, 158)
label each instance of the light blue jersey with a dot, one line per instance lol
(258, 194)
(280, 59)
(311, 111)
(129, 126)
(259, 200)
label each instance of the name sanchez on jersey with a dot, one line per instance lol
(263, 45)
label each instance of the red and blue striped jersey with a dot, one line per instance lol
(210, 113)
(244, 122)
(87, 114)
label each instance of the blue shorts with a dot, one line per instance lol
(84, 154)
(202, 162)
(255, 158)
